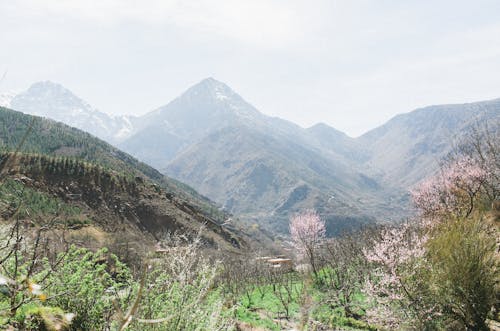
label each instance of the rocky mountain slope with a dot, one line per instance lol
(114, 191)
(409, 147)
(263, 177)
(260, 167)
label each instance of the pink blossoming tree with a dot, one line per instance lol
(307, 231)
(397, 254)
(453, 191)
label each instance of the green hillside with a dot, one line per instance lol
(53, 167)
(57, 139)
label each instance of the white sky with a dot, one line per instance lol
(352, 64)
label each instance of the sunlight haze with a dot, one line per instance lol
(350, 64)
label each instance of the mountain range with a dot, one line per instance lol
(265, 168)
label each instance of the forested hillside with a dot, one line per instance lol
(45, 136)
(112, 189)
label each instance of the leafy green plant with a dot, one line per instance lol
(85, 284)
(465, 275)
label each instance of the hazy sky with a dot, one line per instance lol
(351, 64)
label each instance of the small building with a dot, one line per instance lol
(276, 262)
(280, 262)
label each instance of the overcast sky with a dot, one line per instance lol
(351, 64)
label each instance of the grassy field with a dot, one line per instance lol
(293, 305)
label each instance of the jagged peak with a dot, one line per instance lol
(53, 100)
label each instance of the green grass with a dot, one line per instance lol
(259, 310)
(253, 310)
(270, 301)
(254, 319)
(336, 316)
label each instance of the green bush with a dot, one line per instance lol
(85, 285)
(464, 272)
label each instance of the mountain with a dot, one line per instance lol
(265, 168)
(410, 146)
(265, 178)
(51, 100)
(202, 109)
(113, 191)
(260, 167)
(331, 140)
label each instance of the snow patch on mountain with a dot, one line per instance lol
(219, 94)
(52, 100)
(6, 98)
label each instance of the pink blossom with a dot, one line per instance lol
(307, 231)
(393, 254)
(452, 191)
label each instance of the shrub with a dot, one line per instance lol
(465, 272)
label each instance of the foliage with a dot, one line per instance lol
(443, 272)
(14, 194)
(23, 297)
(465, 274)
(84, 284)
(94, 288)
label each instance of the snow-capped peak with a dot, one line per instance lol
(54, 101)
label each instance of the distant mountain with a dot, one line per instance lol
(410, 146)
(331, 140)
(266, 168)
(115, 190)
(51, 100)
(202, 109)
(264, 177)
(257, 166)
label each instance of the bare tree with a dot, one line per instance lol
(345, 271)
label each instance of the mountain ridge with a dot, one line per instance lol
(422, 137)
(267, 168)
